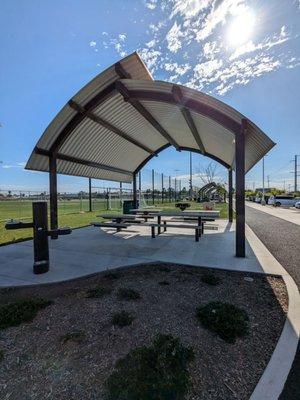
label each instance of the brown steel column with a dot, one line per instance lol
(240, 189)
(134, 191)
(53, 194)
(90, 194)
(230, 211)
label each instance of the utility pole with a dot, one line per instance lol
(296, 172)
(191, 177)
(263, 202)
(268, 178)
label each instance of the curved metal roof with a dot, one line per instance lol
(123, 118)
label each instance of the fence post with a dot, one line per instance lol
(169, 189)
(162, 188)
(121, 194)
(153, 199)
(90, 194)
(140, 189)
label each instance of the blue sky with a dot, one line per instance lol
(247, 53)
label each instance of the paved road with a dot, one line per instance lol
(282, 239)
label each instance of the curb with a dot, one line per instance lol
(272, 381)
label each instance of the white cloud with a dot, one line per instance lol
(93, 43)
(122, 37)
(17, 165)
(152, 43)
(173, 38)
(151, 4)
(150, 57)
(178, 69)
(268, 43)
(207, 69)
(218, 16)
(189, 8)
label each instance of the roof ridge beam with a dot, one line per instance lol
(121, 72)
(82, 110)
(178, 97)
(76, 160)
(122, 89)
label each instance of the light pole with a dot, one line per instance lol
(263, 201)
(191, 177)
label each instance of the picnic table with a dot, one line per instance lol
(145, 211)
(199, 215)
(119, 218)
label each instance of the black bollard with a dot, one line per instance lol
(40, 235)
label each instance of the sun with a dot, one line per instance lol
(241, 29)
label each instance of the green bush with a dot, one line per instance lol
(128, 294)
(98, 291)
(210, 279)
(158, 372)
(122, 318)
(14, 314)
(112, 275)
(227, 320)
(76, 336)
(164, 283)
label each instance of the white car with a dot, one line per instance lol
(297, 205)
(283, 200)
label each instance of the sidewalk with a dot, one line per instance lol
(288, 214)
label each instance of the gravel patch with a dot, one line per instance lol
(37, 364)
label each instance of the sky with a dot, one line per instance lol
(243, 52)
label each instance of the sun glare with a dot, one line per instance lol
(241, 29)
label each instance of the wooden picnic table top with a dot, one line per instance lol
(145, 210)
(124, 216)
(201, 213)
(121, 216)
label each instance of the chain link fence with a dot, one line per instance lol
(153, 188)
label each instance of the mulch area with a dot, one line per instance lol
(37, 364)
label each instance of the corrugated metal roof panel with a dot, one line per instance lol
(171, 119)
(122, 115)
(92, 142)
(89, 141)
(216, 139)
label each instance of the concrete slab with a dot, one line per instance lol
(89, 250)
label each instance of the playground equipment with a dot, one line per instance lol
(40, 235)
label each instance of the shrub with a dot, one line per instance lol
(128, 294)
(76, 336)
(163, 268)
(210, 279)
(157, 372)
(227, 320)
(112, 275)
(122, 319)
(14, 314)
(98, 291)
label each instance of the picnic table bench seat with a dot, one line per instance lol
(198, 229)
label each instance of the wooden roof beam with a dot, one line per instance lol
(145, 113)
(178, 97)
(81, 161)
(82, 110)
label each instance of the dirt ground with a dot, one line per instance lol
(37, 364)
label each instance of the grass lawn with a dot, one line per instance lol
(72, 213)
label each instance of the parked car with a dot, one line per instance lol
(283, 200)
(297, 204)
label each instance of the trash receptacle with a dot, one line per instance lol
(128, 205)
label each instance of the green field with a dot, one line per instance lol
(73, 213)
